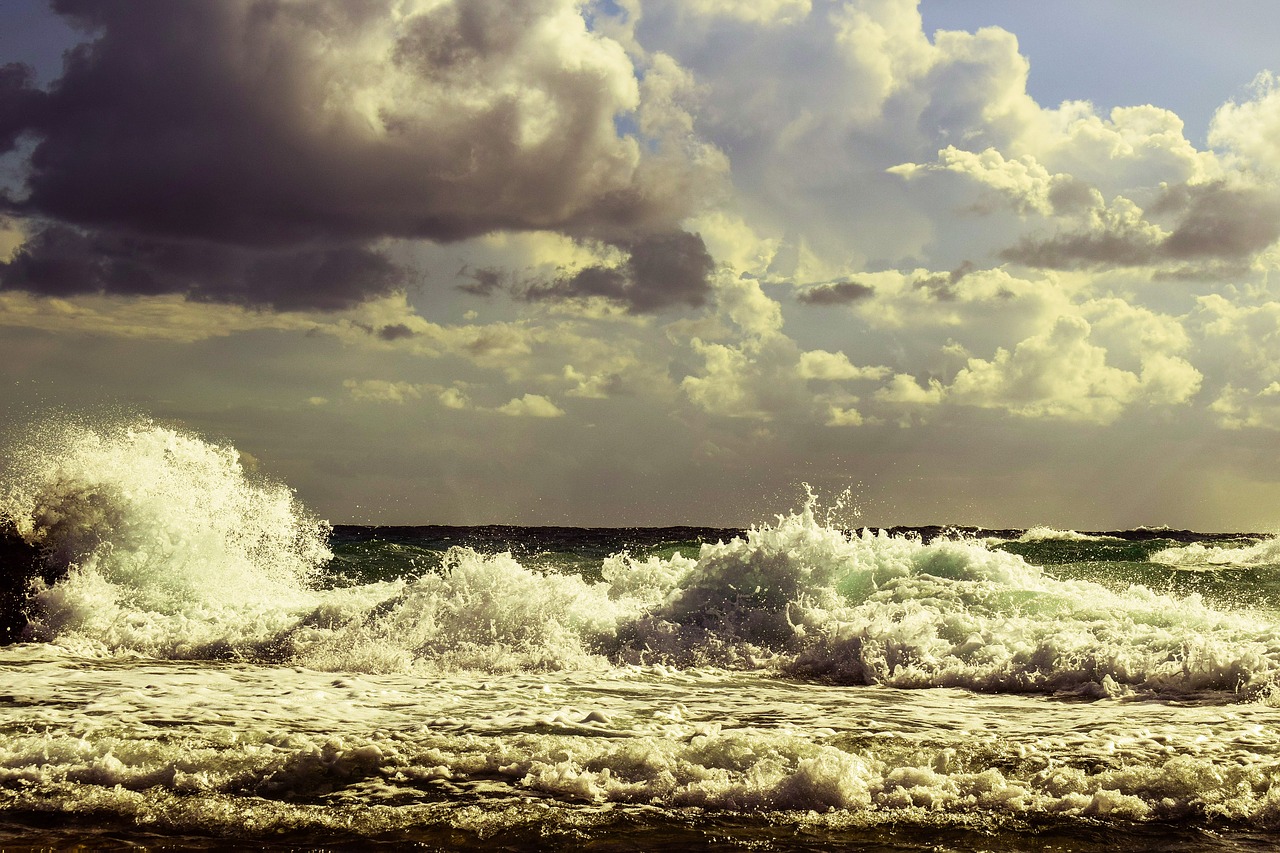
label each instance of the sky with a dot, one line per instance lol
(650, 262)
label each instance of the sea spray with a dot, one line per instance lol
(174, 551)
(867, 608)
(143, 518)
(1263, 554)
(482, 612)
(1041, 533)
(489, 695)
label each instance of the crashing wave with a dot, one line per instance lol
(171, 549)
(1264, 553)
(139, 518)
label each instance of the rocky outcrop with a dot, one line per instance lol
(20, 565)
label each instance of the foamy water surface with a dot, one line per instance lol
(203, 670)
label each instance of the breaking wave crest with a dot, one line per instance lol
(171, 549)
(151, 531)
(1050, 534)
(1264, 553)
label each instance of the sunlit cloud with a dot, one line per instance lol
(801, 234)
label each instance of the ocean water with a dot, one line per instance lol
(195, 661)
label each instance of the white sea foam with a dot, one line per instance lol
(287, 749)
(1264, 553)
(876, 609)
(167, 542)
(484, 612)
(1049, 534)
(175, 552)
(493, 694)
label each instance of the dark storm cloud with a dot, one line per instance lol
(942, 287)
(270, 126)
(1084, 249)
(1221, 221)
(837, 293)
(329, 280)
(20, 102)
(1216, 226)
(484, 281)
(395, 332)
(661, 271)
(63, 261)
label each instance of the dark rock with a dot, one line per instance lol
(20, 565)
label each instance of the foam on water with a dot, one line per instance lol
(278, 749)
(870, 608)
(806, 599)
(485, 612)
(670, 687)
(1049, 534)
(166, 542)
(1264, 553)
(175, 552)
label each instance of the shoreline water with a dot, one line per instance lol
(210, 664)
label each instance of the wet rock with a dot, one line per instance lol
(20, 565)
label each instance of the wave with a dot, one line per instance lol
(1264, 553)
(1049, 534)
(389, 781)
(876, 609)
(136, 518)
(171, 548)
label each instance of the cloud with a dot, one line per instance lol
(482, 282)
(943, 288)
(1058, 374)
(1212, 223)
(1128, 190)
(748, 381)
(329, 279)
(1218, 220)
(598, 386)
(64, 261)
(1237, 408)
(820, 364)
(277, 141)
(20, 102)
(530, 406)
(1239, 346)
(904, 390)
(159, 318)
(398, 393)
(1108, 235)
(661, 271)
(1130, 147)
(811, 109)
(1024, 182)
(1063, 374)
(395, 332)
(1251, 130)
(758, 373)
(836, 293)
(383, 391)
(755, 11)
(275, 122)
(453, 398)
(840, 417)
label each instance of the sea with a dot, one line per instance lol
(192, 660)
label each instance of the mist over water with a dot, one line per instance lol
(796, 668)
